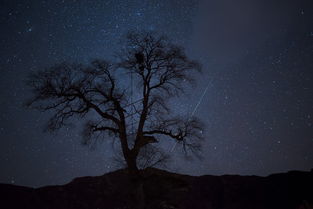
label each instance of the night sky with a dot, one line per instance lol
(257, 58)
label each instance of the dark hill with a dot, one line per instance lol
(292, 190)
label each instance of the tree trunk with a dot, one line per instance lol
(129, 155)
(131, 161)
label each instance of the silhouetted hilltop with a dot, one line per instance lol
(162, 189)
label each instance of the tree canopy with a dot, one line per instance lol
(126, 99)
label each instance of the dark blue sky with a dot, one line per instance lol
(257, 63)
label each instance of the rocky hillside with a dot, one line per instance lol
(161, 189)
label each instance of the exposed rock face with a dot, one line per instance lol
(292, 190)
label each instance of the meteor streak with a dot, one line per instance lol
(195, 109)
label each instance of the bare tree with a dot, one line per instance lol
(100, 94)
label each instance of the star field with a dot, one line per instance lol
(257, 64)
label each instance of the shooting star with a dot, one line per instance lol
(195, 109)
(200, 101)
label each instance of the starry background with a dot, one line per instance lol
(257, 61)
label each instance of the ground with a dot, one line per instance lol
(161, 189)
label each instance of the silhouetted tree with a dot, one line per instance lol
(101, 94)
